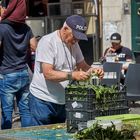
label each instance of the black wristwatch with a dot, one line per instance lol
(69, 75)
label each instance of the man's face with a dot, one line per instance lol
(69, 37)
(116, 46)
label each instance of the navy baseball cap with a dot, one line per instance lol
(115, 38)
(78, 26)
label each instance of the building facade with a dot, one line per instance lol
(104, 17)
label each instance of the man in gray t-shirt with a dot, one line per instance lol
(58, 60)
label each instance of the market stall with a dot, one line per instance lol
(49, 132)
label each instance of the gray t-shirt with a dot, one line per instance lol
(51, 50)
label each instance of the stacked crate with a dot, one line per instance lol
(82, 105)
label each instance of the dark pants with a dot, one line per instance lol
(44, 113)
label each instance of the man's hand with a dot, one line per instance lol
(98, 71)
(80, 75)
(111, 50)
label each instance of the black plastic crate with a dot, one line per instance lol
(80, 101)
(113, 101)
(80, 98)
(76, 117)
(85, 99)
(117, 111)
(82, 105)
(82, 115)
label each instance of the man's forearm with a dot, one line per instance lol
(56, 76)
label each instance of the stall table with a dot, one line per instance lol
(47, 132)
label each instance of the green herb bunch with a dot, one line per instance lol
(96, 132)
(105, 96)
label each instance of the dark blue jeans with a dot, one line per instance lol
(14, 85)
(44, 113)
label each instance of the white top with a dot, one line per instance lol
(51, 50)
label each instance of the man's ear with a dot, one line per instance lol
(65, 28)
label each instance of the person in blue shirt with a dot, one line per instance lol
(16, 38)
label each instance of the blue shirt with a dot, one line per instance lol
(15, 39)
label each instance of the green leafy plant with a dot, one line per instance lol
(96, 132)
(105, 96)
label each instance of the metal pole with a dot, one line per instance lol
(96, 42)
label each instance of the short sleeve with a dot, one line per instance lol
(129, 54)
(79, 54)
(45, 52)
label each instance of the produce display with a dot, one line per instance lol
(105, 97)
(129, 120)
(97, 132)
(48, 132)
(86, 101)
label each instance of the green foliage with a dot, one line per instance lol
(105, 96)
(96, 132)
